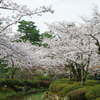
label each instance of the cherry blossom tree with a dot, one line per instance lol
(19, 11)
(92, 26)
(14, 53)
(73, 47)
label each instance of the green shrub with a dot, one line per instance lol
(57, 87)
(77, 83)
(10, 82)
(92, 82)
(44, 83)
(93, 92)
(59, 84)
(51, 87)
(66, 80)
(86, 88)
(44, 78)
(97, 98)
(31, 83)
(5, 89)
(73, 79)
(90, 77)
(37, 75)
(63, 80)
(69, 88)
(77, 95)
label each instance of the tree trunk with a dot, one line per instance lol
(12, 75)
(70, 75)
(79, 76)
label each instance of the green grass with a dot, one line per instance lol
(5, 94)
(21, 96)
(35, 97)
(29, 97)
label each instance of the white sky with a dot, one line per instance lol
(68, 10)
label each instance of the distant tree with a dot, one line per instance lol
(71, 46)
(5, 71)
(16, 54)
(29, 31)
(0, 22)
(92, 26)
(31, 34)
(45, 35)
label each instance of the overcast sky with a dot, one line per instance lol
(68, 10)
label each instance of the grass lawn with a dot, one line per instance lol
(35, 97)
(20, 96)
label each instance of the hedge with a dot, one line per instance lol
(65, 90)
(10, 82)
(97, 98)
(31, 83)
(77, 95)
(92, 82)
(93, 92)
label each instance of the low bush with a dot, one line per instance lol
(90, 77)
(92, 82)
(51, 87)
(57, 87)
(77, 95)
(31, 83)
(64, 87)
(63, 80)
(44, 83)
(65, 90)
(10, 82)
(93, 92)
(86, 88)
(77, 83)
(44, 78)
(5, 89)
(97, 98)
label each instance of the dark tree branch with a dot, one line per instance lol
(97, 43)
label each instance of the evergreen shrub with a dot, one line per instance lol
(90, 77)
(92, 82)
(5, 89)
(44, 83)
(44, 78)
(77, 95)
(97, 98)
(93, 92)
(57, 87)
(32, 83)
(10, 82)
(65, 90)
